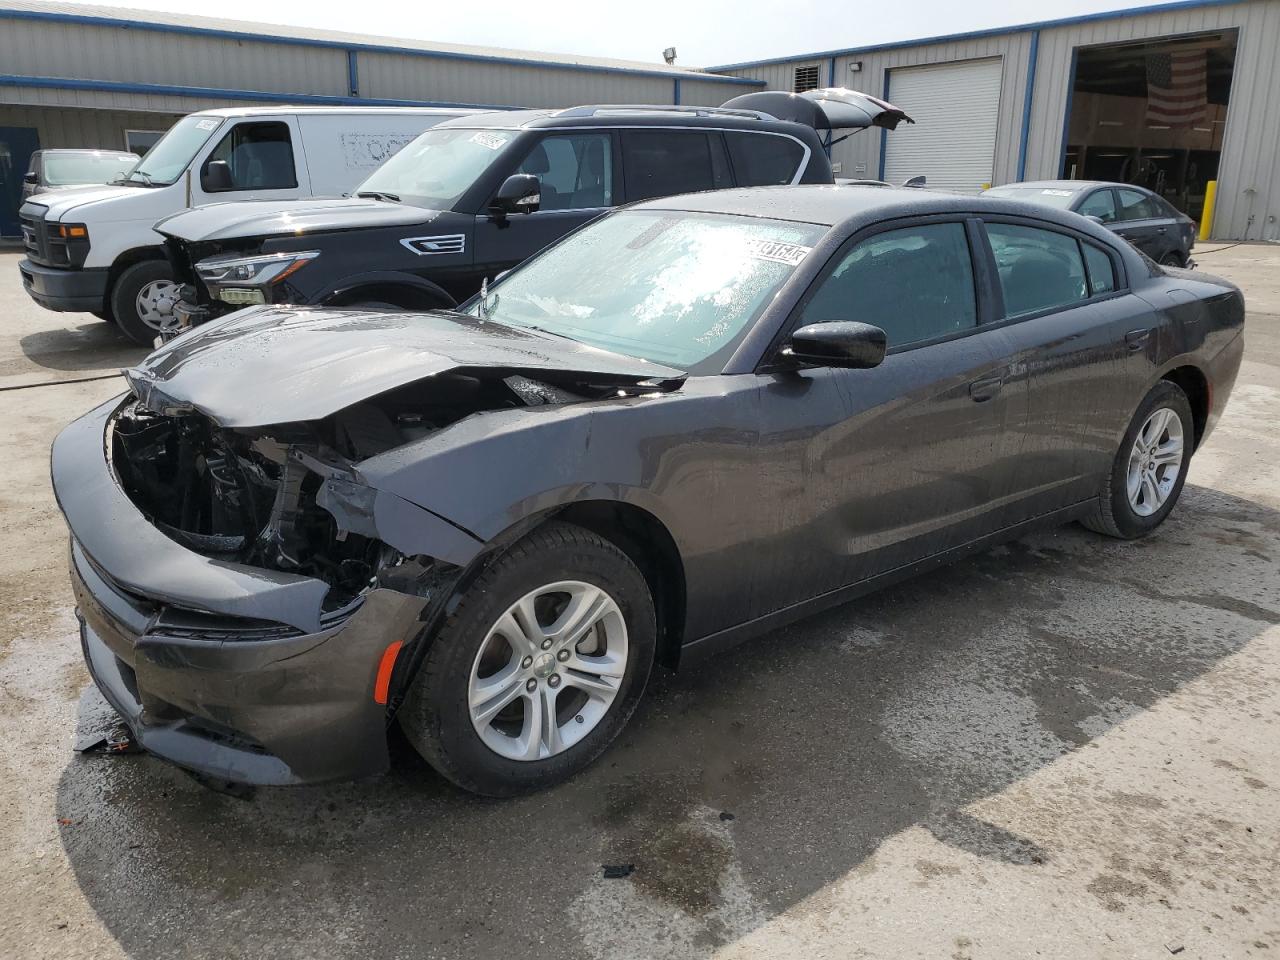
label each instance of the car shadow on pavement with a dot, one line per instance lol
(739, 789)
(87, 346)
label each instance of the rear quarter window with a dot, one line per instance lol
(1102, 272)
(659, 163)
(763, 159)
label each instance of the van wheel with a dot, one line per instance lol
(539, 666)
(143, 299)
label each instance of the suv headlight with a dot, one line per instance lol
(222, 275)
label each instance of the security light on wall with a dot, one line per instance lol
(855, 66)
(669, 54)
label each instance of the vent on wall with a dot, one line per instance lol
(806, 78)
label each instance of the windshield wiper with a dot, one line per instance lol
(378, 195)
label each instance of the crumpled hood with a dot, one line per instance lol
(267, 218)
(269, 365)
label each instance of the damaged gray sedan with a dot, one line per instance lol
(688, 423)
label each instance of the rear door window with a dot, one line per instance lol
(1136, 206)
(762, 159)
(1039, 269)
(915, 283)
(1100, 204)
(659, 163)
(260, 156)
(575, 170)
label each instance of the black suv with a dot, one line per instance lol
(474, 196)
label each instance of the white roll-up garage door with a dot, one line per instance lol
(955, 107)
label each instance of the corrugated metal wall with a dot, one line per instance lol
(859, 156)
(98, 129)
(131, 54)
(400, 77)
(1249, 173)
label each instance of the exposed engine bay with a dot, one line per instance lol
(253, 495)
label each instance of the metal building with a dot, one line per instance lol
(111, 78)
(1171, 96)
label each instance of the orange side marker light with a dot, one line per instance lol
(383, 684)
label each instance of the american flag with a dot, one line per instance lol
(1176, 87)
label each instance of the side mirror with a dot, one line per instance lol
(216, 177)
(520, 192)
(838, 343)
(916, 181)
(30, 178)
(1098, 220)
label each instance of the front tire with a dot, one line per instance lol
(1150, 468)
(143, 299)
(539, 667)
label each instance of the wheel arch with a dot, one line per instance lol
(634, 530)
(649, 545)
(1193, 382)
(126, 260)
(401, 289)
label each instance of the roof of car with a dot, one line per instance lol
(828, 205)
(615, 115)
(1074, 186)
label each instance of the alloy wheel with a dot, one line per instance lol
(1155, 461)
(548, 670)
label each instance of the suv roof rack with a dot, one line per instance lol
(606, 109)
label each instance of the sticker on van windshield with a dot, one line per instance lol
(367, 151)
(490, 140)
(1057, 193)
(775, 250)
(207, 124)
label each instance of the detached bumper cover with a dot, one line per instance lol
(64, 290)
(228, 670)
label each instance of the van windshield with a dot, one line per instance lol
(173, 153)
(66, 169)
(439, 167)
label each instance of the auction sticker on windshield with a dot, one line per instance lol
(789, 253)
(208, 124)
(1057, 193)
(492, 141)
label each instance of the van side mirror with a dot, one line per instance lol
(837, 343)
(1098, 220)
(519, 193)
(216, 177)
(31, 178)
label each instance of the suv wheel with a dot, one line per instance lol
(538, 669)
(143, 299)
(1150, 467)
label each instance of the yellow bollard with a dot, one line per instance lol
(1206, 215)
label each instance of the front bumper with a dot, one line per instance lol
(75, 291)
(232, 671)
(283, 710)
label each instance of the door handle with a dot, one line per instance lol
(983, 390)
(1137, 339)
(1162, 229)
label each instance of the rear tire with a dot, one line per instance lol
(142, 300)
(1150, 468)
(106, 316)
(478, 709)
(1172, 259)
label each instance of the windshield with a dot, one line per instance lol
(1044, 196)
(64, 169)
(439, 167)
(173, 153)
(679, 289)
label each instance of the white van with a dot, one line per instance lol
(93, 248)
